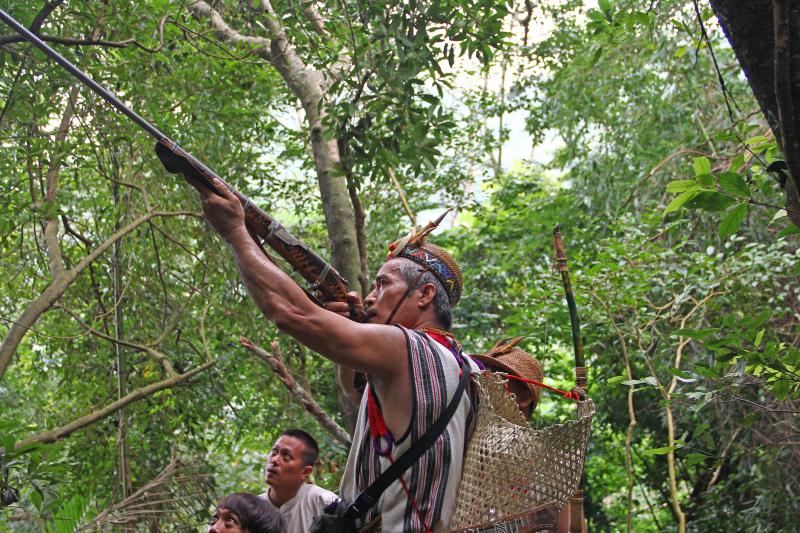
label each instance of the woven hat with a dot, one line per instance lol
(506, 357)
(434, 259)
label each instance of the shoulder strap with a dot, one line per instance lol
(370, 495)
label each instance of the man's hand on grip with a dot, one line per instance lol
(353, 303)
(222, 209)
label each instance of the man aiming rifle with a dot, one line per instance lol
(412, 363)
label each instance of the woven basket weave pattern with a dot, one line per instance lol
(512, 467)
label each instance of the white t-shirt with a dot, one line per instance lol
(299, 512)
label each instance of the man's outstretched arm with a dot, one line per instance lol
(365, 347)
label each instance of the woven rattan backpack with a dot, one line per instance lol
(511, 470)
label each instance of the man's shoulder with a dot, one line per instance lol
(321, 494)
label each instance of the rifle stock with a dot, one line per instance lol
(326, 284)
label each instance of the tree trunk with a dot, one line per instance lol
(769, 54)
(310, 87)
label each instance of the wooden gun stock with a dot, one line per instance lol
(325, 282)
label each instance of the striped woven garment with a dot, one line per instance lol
(433, 480)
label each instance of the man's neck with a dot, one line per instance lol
(427, 323)
(280, 496)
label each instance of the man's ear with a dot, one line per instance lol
(525, 402)
(427, 293)
(307, 472)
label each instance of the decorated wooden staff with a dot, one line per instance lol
(576, 502)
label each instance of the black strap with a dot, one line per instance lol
(370, 495)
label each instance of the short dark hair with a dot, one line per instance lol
(410, 271)
(255, 514)
(310, 447)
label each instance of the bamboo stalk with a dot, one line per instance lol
(576, 515)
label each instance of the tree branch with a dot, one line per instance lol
(68, 41)
(631, 409)
(275, 361)
(402, 196)
(38, 21)
(51, 224)
(260, 45)
(37, 307)
(66, 430)
(162, 359)
(313, 16)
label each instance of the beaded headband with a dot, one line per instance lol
(433, 258)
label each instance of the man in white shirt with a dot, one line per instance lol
(288, 467)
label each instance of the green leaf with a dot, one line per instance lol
(702, 165)
(706, 180)
(7, 443)
(751, 418)
(701, 428)
(596, 56)
(695, 459)
(36, 498)
(758, 139)
(681, 185)
(680, 373)
(780, 213)
(650, 380)
(759, 338)
(734, 184)
(698, 334)
(706, 372)
(678, 201)
(789, 230)
(737, 163)
(710, 201)
(732, 220)
(659, 451)
(616, 379)
(780, 388)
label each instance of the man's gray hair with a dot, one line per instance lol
(410, 271)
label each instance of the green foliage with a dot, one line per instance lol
(681, 260)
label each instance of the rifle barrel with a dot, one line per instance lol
(176, 160)
(104, 93)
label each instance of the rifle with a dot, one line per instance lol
(326, 284)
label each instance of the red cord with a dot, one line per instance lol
(571, 395)
(411, 499)
(382, 438)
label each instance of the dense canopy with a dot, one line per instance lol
(138, 382)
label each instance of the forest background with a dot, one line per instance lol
(125, 392)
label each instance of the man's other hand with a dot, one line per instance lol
(223, 211)
(343, 308)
